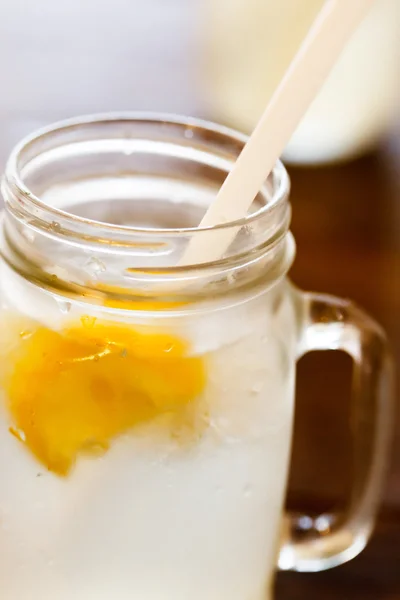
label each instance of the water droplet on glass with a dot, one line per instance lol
(25, 334)
(95, 447)
(88, 321)
(55, 226)
(95, 265)
(247, 230)
(231, 278)
(64, 306)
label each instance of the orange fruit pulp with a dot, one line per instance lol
(73, 391)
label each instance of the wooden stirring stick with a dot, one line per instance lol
(299, 86)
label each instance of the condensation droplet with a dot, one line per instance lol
(323, 523)
(64, 306)
(95, 447)
(96, 266)
(55, 226)
(189, 133)
(88, 321)
(25, 334)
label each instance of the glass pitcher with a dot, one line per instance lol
(147, 407)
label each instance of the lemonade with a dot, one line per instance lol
(146, 407)
(141, 463)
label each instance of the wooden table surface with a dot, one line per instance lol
(346, 220)
(56, 61)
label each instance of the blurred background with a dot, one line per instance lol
(216, 58)
(221, 59)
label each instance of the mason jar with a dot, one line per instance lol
(147, 406)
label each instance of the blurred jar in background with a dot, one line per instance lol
(250, 43)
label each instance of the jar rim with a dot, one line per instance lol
(13, 178)
(60, 250)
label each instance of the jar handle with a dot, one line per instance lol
(329, 323)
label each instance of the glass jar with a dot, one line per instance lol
(147, 407)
